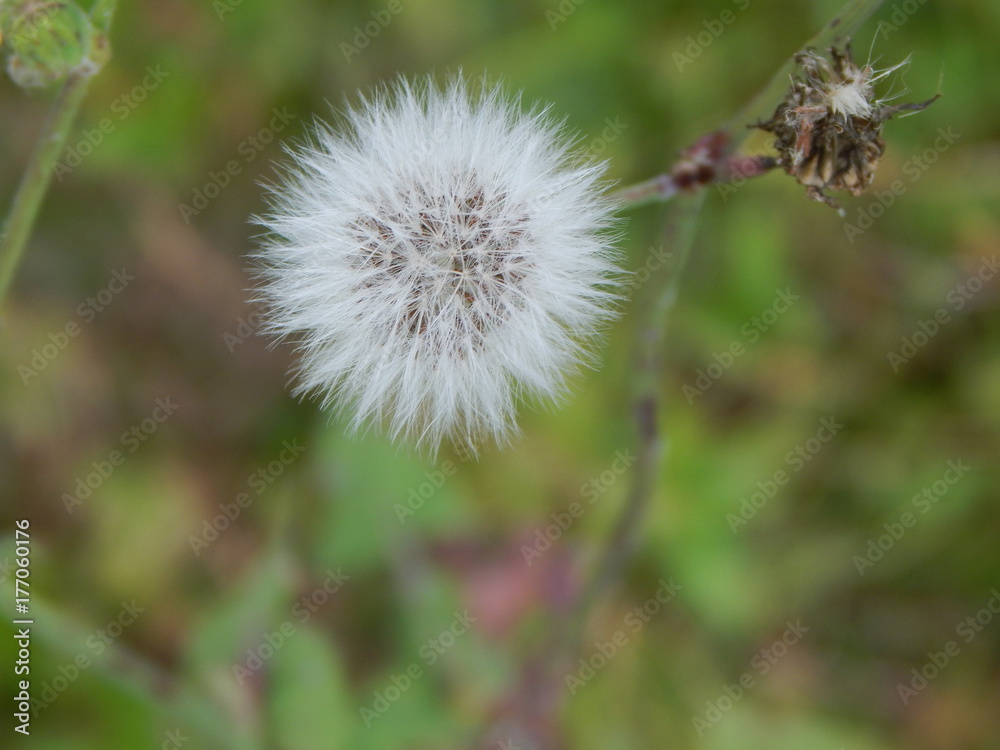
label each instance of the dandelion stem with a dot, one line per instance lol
(713, 150)
(541, 689)
(31, 191)
(649, 357)
(659, 189)
(679, 180)
(35, 181)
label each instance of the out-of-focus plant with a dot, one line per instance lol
(45, 44)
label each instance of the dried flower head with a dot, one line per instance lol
(828, 128)
(438, 257)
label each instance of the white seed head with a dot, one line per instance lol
(437, 258)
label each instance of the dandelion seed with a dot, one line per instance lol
(438, 258)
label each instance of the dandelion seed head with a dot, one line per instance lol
(437, 258)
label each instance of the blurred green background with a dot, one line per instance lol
(154, 629)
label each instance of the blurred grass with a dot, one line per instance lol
(166, 335)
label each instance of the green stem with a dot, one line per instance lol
(35, 181)
(652, 318)
(659, 189)
(51, 141)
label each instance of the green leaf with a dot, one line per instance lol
(230, 649)
(309, 703)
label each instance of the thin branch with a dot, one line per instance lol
(652, 318)
(708, 160)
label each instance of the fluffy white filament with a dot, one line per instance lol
(854, 96)
(437, 257)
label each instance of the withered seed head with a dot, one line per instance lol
(828, 128)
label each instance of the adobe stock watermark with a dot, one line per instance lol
(430, 651)
(701, 41)
(914, 168)
(418, 496)
(31, 23)
(223, 8)
(248, 150)
(96, 646)
(612, 130)
(122, 106)
(174, 739)
(592, 491)
(901, 13)
(955, 301)
(256, 484)
(795, 460)
(634, 621)
(740, 172)
(760, 665)
(246, 327)
(656, 258)
(751, 331)
(129, 442)
(86, 312)
(937, 661)
(558, 15)
(363, 35)
(922, 502)
(303, 610)
(613, 127)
